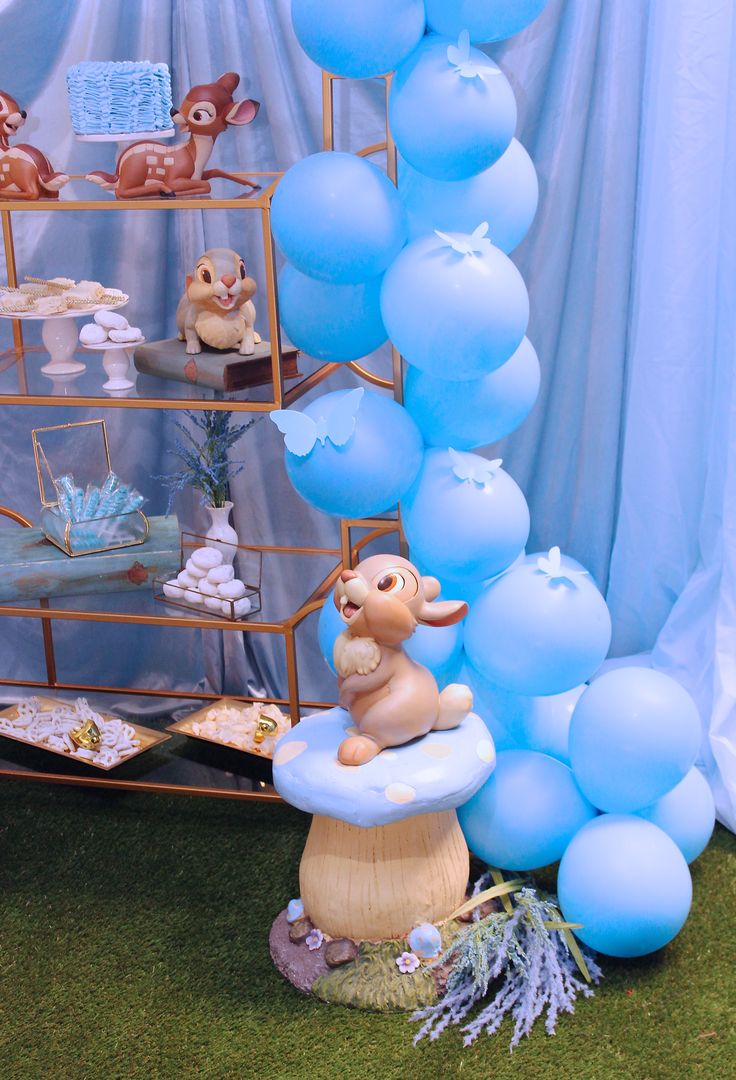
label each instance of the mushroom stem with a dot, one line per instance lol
(379, 882)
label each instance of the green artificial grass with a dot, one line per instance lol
(134, 943)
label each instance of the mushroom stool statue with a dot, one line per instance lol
(385, 865)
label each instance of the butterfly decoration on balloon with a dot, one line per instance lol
(476, 243)
(335, 422)
(474, 467)
(466, 63)
(551, 565)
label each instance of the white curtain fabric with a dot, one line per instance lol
(626, 107)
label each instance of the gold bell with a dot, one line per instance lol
(265, 726)
(87, 737)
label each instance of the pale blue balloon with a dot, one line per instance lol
(485, 20)
(435, 647)
(526, 813)
(486, 706)
(331, 322)
(544, 723)
(634, 734)
(628, 884)
(505, 195)
(360, 39)
(338, 218)
(448, 124)
(687, 814)
(464, 528)
(477, 412)
(534, 633)
(454, 316)
(371, 471)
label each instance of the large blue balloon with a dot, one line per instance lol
(436, 647)
(477, 412)
(456, 316)
(634, 734)
(628, 884)
(539, 631)
(359, 40)
(464, 517)
(687, 814)
(505, 196)
(367, 474)
(331, 322)
(451, 116)
(526, 813)
(544, 723)
(486, 706)
(486, 20)
(338, 218)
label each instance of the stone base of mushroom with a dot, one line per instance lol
(378, 883)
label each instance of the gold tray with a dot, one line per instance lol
(184, 727)
(146, 736)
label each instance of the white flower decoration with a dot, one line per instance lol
(407, 963)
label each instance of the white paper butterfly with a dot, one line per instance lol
(465, 66)
(551, 565)
(476, 243)
(336, 423)
(473, 467)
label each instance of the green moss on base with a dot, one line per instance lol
(373, 981)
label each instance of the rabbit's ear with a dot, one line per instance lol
(443, 612)
(431, 587)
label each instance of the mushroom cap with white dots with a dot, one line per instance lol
(440, 771)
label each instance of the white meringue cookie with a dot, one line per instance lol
(220, 574)
(194, 571)
(206, 557)
(231, 590)
(131, 333)
(111, 320)
(92, 334)
(185, 578)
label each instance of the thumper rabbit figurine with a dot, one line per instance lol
(390, 698)
(216, 307)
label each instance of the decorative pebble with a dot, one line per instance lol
(92, 334)
(295, 910)
(110, 320)
(131, 333)
(194, 571)
(232, 590)
(340, 951)
(207, 557)
(300, 931)
(218, 575)
(426, 941)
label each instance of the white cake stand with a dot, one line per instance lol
(61, 337)
(116, 359)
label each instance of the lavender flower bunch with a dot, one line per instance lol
(206, 461)
(533, 962)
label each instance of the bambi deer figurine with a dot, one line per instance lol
(153, 168)
(25, 173)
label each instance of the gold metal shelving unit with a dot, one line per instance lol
(283, 626)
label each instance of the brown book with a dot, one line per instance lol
(213, 368)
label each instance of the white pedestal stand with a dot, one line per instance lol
(116, 360)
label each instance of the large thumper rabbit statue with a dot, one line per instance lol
(390, 698)
(217, 307)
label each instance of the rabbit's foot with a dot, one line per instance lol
(456, 701)
(357, 750)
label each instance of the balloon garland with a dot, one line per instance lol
(599, 777)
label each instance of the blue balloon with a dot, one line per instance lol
(331, 322)
(539, 629)
(544, 723)
(456, 316)
(687, 814)
(338, 218)
(526, 813)
(477, 412)
(436, 647)
(485, 20)
(464, 517)
(634, 734)
(505, 195)
(628, 884)
(366, 474)
(451, 115)
(367, 38)
(485, 705)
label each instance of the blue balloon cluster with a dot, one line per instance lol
(369, 38)
(485, 20)
(334, 323)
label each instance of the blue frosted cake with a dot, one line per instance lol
(108, 98)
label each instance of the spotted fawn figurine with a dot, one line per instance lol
(25, 173)
(390, 698)
(147, 169)
(216, 307)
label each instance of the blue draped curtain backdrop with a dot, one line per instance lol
(629, 456)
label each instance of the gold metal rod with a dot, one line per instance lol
(5, 511)
(398, 368)
(139, 785)
(292, 679)
(391, 160)
(137, 403)
(368, 151)
(12, 275)
(369, 376)
(69, 615)
(274, 328)
(295, 392)
(328, 118)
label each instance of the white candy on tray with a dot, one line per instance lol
(110, 320)
(194, 571)
(206, 557)
(50, 728)
(231, 590)
(92, 334)
(220, 574)
(186, 580)
(130, 333)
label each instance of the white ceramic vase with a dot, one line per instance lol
(221, 529)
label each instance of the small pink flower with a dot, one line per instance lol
(407, 963)
(314, 939)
